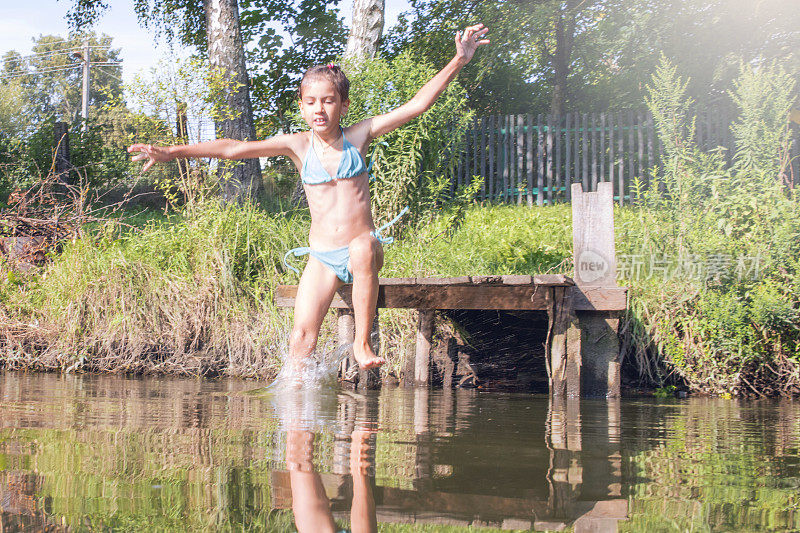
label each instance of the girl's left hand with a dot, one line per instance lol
(470, 41)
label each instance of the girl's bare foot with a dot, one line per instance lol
(365, 357)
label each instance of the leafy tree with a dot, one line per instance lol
(314, 34)
(551, 55)
(13, 109)
(218, 22)
(313, 30)
(282, 40)
(365, 31)
(707, 40)
(516, 76)
(49, 80)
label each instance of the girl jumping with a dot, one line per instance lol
(344, 246)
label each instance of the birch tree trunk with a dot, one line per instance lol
(365, 30)
(242, 179)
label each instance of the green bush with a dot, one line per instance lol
(722, 332)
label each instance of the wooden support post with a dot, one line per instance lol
(564, 345)
(423, 460)
(346, 335)
(367, 379)
(596, 266)
(422, 357)
(565, 473)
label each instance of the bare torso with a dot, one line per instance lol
(340, 208)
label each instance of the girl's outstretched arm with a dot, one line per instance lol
(466, 45)
(219, 148)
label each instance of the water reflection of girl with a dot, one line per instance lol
(312, 509)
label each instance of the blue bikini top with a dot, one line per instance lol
(350, 165)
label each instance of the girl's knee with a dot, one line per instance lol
(365, 253)
(302, 339)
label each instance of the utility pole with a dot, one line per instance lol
(85, 90)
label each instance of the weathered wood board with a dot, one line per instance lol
(531, 297)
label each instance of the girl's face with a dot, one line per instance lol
(321, 106)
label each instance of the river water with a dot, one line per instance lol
(90, 453)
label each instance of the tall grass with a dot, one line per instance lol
(186, 295)
(194, 294)
(712, 329)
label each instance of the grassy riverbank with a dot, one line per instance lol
(193, 294)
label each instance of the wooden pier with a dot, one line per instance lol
(582, 347)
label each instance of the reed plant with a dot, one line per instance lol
(718, 323)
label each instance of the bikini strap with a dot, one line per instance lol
(298, 252)
(389, 240)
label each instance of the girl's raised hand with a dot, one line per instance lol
(469, 42)
(154, 154)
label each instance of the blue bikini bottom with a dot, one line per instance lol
(338, 259)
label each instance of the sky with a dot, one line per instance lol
(21, 21)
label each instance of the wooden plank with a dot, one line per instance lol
(486, 279)
(611, 166)
(422, 358)
(507, 158)
(585, 152)
(520, 159)
(517, 279)
(559, 175)
(602, 147)
(621, 160)
(593, 236)
(483, 158)
(576, 174)
(600, 357)
(599, 298)
(699, 130)
(568, 173)
(553, 280)
(475, 148)
(459, 170)
(640, 152)
(346, 330)
(492, 172)
(476, 296)
(458, 280)
(565, 368)
(631, 148)
(530, 156)
(727, 137)
(508, 150)
(593, 149)
(650, 161)
(539, 161)
(549, 147)
(397, 281)
(370, 378)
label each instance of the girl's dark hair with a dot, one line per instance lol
(332, 73)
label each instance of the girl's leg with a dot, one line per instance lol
(315, 291)
(366, 259)
(312, 511)
(362, 509)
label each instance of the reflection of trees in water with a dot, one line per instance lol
(711, 462)
(192, 454)
(20, 508)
